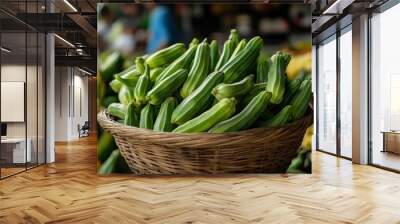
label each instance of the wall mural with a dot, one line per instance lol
(204, 89)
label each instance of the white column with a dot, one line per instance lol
(50, 93)
(360, 90)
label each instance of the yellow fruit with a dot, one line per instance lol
(306, 144)
(307, 140)
(297, 64)
(310, 130)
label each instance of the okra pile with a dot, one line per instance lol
(203, 89)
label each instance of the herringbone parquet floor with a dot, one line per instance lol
(69, 191)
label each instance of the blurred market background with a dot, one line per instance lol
(129, 28)
(136, 29)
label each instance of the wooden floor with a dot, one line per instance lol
(69, 191)
(10, 171)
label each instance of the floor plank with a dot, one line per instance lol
(69, 191)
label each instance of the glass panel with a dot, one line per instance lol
(385, 89)
(23, 82)
(13, 86)
(31, 99)
(41, 99)
(41, 88)
(327, 95)
(31, 88)
(346, 93)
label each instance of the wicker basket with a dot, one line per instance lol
(259, 150)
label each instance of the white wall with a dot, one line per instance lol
(61, 103)
(70, 83)
(80, 110)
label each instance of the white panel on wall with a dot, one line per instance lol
(12, 101)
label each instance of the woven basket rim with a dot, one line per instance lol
(250, 151)
(104, 116)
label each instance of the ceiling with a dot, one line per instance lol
(329, 14)
(72, 20)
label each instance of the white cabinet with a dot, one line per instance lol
(17, 148)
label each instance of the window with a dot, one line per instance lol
(385, 89)
(22, 76)
(327, 95)
(345, 43)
